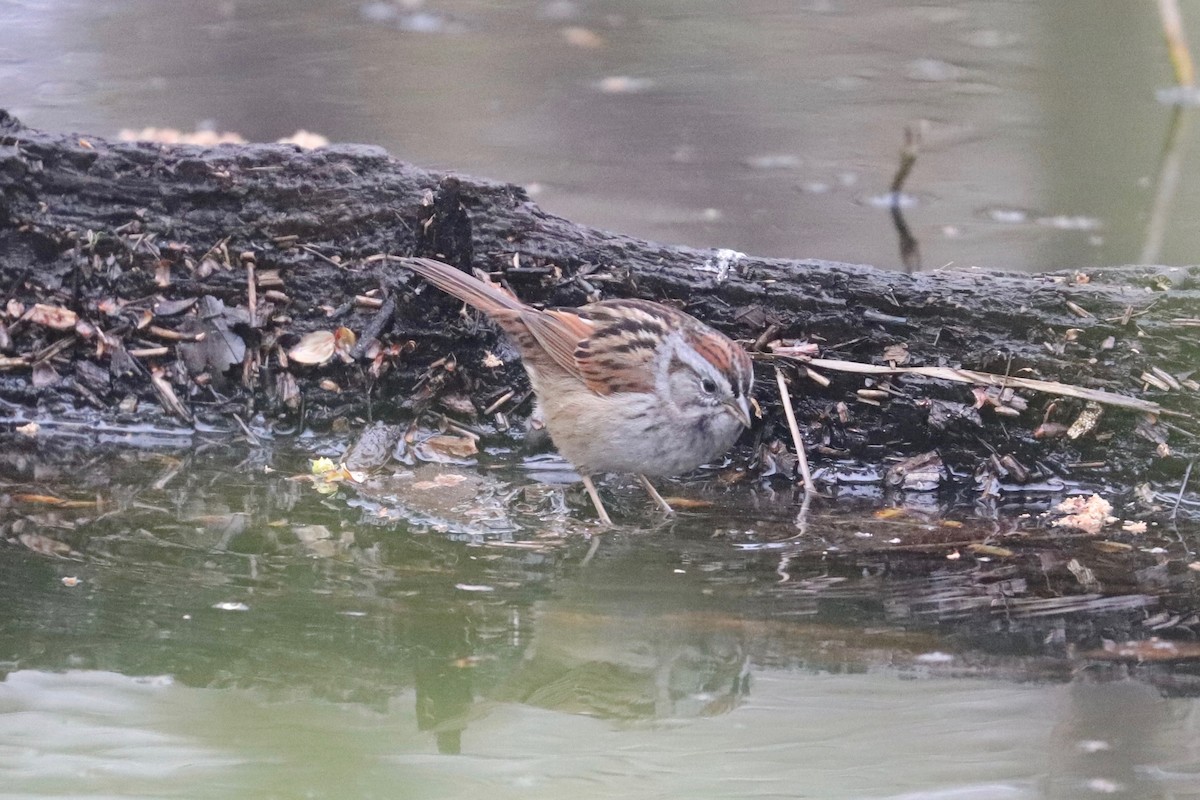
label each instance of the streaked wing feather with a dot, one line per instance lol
(619, 356)
(559, 333)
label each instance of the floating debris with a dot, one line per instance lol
(623, 84)
(1088, 514)
(1148, 651)
(921, 473)
(231, 606)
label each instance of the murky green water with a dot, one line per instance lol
(194, 624)
(769, 127)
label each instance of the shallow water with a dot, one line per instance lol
(767, 127)
(208, 623)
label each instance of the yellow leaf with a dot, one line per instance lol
(322, 465)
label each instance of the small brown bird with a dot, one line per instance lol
(623, 385)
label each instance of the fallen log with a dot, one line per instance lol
(258, 284)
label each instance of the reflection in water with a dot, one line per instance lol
(442, 677)
(1166, 184)
(305, 644)
(1113, 758)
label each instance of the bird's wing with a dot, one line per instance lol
(621, 353)
(559, 333)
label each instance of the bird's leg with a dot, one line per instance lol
(591, 490)
(655, 496)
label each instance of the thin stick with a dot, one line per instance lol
(501, 400)
(910, 248)
(149, 352)
(992, 379)
(908, 157)
(592, 548)
(1187, 473)
(795, 429)
(1177, 46)
(1170, 170)
(174, 336)
(251, 288)
(655, 496)
(254, 440)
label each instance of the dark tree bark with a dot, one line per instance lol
(273, 243)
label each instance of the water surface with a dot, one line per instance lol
(206, 623)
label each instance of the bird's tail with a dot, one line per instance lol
(484, 295)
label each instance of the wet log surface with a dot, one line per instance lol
(133, 250)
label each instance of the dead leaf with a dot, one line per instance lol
(110, 306)
(167, 397)
(44, 544)
(990, 550)
(170, 308)
(1050, 430)
(319, 466)
(56, 317)
(220, 348)
(442, 481)
(344, 340)
(1106, 546)
(447, 446)
(687, 502)
(1083, 574)
(1087, 420)
(316, 347)
(896, 353)
(44, 375)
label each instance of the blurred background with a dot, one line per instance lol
(771, 127)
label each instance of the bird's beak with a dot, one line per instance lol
(740, 409)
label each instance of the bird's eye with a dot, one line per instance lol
(709, 386)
